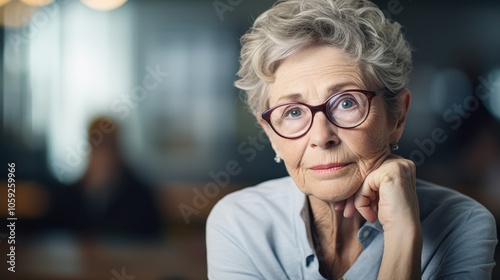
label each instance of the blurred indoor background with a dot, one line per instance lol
(125, 128)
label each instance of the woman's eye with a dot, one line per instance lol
(293, 113)
(347, 104)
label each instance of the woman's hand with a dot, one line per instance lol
(388, 193)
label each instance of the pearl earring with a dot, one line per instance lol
(277, 158)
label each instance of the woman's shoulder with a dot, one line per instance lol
(459, 234)
(444, 206)
(433, 196)
(277, 197)
(258, 231)
(273, 190)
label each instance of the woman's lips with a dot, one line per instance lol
(331, 167)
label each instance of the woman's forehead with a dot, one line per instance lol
(314, 71)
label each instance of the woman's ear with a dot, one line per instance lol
(399, 125)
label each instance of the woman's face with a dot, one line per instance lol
(328, 162)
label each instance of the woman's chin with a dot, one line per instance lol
(334, 190)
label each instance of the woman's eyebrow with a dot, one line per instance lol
(295, 97)
(289, 97)
(342, 86)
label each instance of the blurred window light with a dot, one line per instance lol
(104, 5)
(80, 63)
(491, 92)
(31, 54)
(94, 69)
(43, 61)
(54, 81)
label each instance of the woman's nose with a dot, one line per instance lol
(323, 132)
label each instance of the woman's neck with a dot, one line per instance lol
(335, 238)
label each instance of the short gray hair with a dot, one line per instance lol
(358, 27)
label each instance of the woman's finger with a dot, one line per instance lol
(365, 201)
(349, 210)
(339, 205)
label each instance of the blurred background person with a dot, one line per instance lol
(109, 200)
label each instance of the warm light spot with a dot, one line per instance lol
(3, 2)
(104, 5)
(16, 14)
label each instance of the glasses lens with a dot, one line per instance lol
(348, 109)
(291, 119)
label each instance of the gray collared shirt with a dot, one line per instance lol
(263, 232)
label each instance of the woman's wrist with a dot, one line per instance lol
(405, 227)
(402, 254)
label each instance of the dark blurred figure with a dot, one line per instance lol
(109, 200)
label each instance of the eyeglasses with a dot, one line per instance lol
(346, 109)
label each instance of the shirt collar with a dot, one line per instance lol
(306, 218)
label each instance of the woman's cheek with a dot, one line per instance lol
(371, 149)
(293, 151)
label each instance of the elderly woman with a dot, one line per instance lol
(327, 81)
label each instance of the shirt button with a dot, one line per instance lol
(366, 233)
